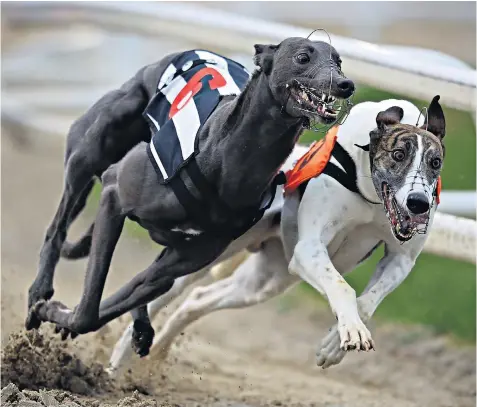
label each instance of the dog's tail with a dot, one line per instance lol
(80, 248)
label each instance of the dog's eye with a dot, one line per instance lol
(399, 155)
(302, 58)
(436, 163)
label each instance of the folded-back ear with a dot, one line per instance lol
(264, 56)
(435, 121)
(392, 115)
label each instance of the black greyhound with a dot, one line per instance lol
(240, 148)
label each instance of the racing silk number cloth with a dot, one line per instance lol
(188, 92)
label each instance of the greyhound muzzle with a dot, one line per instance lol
(409, 218)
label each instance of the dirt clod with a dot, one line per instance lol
(33, 360)
(10, 394)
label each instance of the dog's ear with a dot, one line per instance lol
(263, 57)
(393, 115)
(435, 121)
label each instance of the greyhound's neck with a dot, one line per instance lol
(256, 140)
(362, 161)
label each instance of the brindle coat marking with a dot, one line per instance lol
(405, 164)
(413, 142)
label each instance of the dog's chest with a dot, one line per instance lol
(355, 243)
(352, 246)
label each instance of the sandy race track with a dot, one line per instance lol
(256, 357)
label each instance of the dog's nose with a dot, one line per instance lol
(346, 87)
(417, 203)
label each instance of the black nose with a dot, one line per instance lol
(417, 203)
(346, 87)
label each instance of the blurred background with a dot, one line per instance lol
(58, 59)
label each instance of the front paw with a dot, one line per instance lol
(142, 337)
(334, 346)
(354, 335)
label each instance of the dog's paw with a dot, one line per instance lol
(142, 337)
(355, 335)
(342, 339)
(330, 353)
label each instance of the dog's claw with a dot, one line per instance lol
(142, 337)
(65, 333)
(33, 321)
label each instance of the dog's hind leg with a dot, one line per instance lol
(78, 177)
(80, 248)
(97, 140)
(261, 276)
(108, 226)
(123, 350)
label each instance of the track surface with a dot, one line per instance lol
(258, 357)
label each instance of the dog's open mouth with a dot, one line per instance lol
(315, 103)
(403, 224)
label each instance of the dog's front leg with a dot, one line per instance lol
(389, 274)
(311, 262)
(159, 277)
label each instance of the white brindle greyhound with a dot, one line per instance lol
(380, 186)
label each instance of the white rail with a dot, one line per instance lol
(453, 237)
(418, 73)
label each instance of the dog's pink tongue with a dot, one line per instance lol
(320, 109)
